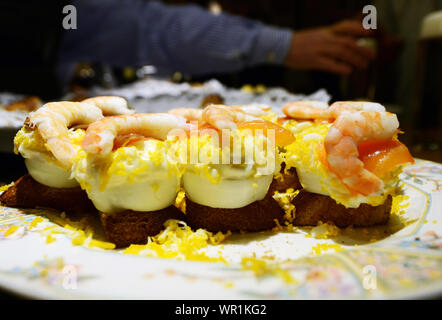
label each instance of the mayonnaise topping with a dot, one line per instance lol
(151, 192)
(139, 178)
(227, 193)
(49, 172)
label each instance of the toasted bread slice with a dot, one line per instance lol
(285, 181)
(28, 193)
(257, 216)
(133, 227)
(311, 208)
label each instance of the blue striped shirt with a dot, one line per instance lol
(184, 38)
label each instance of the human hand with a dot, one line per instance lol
(333, 48)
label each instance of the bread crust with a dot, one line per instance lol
(257, 216)
(311, 208)
(28, 193)
(286, 181)
(133, 227)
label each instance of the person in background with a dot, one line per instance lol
(183, 38)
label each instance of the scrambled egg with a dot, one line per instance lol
(178, 241)
(28, 141)
(252, 155)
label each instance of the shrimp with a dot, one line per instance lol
(235, 117)
(320, 110)
(356, 106)
(307, 109)
(110, 105)
(255, 110)
(52, 121)
(191, 114)
(223, 117)
(100, 135)
(349, 130)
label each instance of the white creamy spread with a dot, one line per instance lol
(227, 193)
(151, 192)
(310, 182)
(49, 173)
(138, 178)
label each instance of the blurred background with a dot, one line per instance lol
(404, 74)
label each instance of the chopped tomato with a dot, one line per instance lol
(283, 137)
(381, 157)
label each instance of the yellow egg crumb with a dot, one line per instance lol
(278, 226)
(261, 268)
(399, 203)
(180, 201)
(285, 199)
(50, 239)
(11, 230)
(78, 231)
(179, 241)
(325, 231)
(6, 186)
(34, 222)
(101, 244)
(79, 239)
(321, 247)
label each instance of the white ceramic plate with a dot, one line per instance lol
(401, 260)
